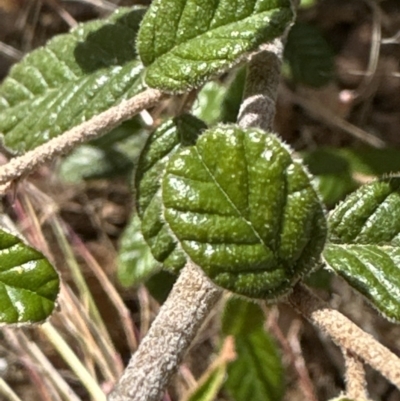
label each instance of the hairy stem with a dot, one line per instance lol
(346, 334)
(95, 127)
(168, 339)
(356, 384)
(260, 93)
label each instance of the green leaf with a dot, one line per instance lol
(233, 97)
(370, 215)
(28, 283)
(208, 104)
(71, 79)
(365, 243)
(162, 144)
(160, 285)
(332, 172)
(104, 159)
(88, 162)
(208, 390)
(310, 57)
(244, 211)
(373, 270)
(183, 42)
(135, 261)
(257, 372)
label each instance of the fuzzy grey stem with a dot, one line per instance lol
(168, 339)
(95, 127)
(356, 384)
(262, 81)
(345, 333)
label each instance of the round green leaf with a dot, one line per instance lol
(185, 42)
(244, 211)
(28, 283)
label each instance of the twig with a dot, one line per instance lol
(356, 385)
(291, 348)
(346, 334)
(168, 339)
(260, 93)
(95, 127)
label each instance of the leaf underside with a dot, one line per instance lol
(162, 144)
(244, 211)
(183, 43)
(28, 283)
(365, 243)
(72, 78)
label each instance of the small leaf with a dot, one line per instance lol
(28, 283)
(74, 77)
(183, 42)
(365, 248)
(372, 270)
(135, 261)
(244, 211)
(310, 57)
(233, 97)
(208, 104)
(162, 144)
(370, 215)
(332, 173)
(257, 372)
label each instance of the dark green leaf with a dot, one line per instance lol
(257, 372)
(160, 285)
(370, 215)
(310, 57)
(28, 283)
(135, 261)
(233, 97)
(365, 248)
(373, 270)
(333, 174)
(162, 144)
(184, 42)
(74, 77)
(244, 211)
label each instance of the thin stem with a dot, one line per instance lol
(261, 90)
(356, 384)
(169, 337)
(7, 391)
(345, 333)
(95, 127)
